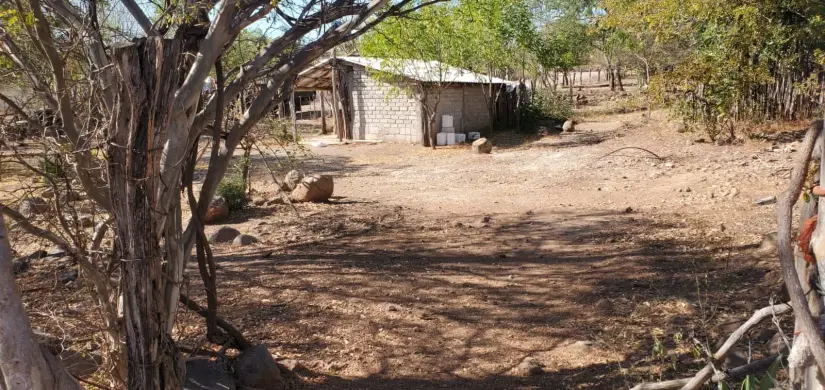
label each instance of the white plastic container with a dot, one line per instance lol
(441, 139)
(460, 138)
(450, 138)
(473, 135)
(448, 129)
(446, 121)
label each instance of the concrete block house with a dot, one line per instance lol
(373, 109)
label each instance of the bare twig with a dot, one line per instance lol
(707, 373)
(631, 147)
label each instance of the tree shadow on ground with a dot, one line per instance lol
(400, 303)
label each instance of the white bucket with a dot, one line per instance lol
(473, 135)
(441, 139)
(450, 138)
(446, 121)
(460, 138)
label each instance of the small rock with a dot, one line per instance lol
(292, 179)
(569, 126)
(628, 210)
(223, 235)
(482, 146)
(203, 374)
(765, 201)
(733, 192)
(32, 207)
(316, 188)
(259, 202)
(255, 368)
(604, 305)
(218, 210)
(529, 367)
(687, 189)
(244, 240)
(457, 224)
(392, 308)
(669, 165)
(486, 219)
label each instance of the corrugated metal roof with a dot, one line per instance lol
(426, 71)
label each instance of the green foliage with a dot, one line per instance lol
(546, 104)
(54, 169)
(733, 60)
(233, 189)
(428, 36)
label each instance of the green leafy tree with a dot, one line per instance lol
(422, 48)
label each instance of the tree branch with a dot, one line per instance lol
(706, 373)
(239, 338)
(786, 202)
(140, 17)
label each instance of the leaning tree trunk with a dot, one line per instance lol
(150, 75)
(24, 364)
(807, 373)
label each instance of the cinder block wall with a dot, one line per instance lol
(381, 112)
(468, 106)
(476, 115)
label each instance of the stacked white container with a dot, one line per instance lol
(448, 134)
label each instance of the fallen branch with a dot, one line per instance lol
(241, 341)
(706, 373)
(631, 147)
(739, 373)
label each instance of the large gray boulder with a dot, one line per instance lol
(203, 374)
(34, 206)
(218, 210)
(255, 368)
(292, 179)
(315, 188)
(482, 146)
(223, 235)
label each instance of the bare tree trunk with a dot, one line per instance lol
(151, 76)
(23, 363)
(619, 78)
(323, 113)
(294, 112)
(335, 104)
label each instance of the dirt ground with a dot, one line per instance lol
(445, 269)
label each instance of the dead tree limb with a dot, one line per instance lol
(240, 340)
(804, 320)
(706, 373)
(632, 147)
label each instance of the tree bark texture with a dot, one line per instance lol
(149, 77)
(23, 363)
(809, 337)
